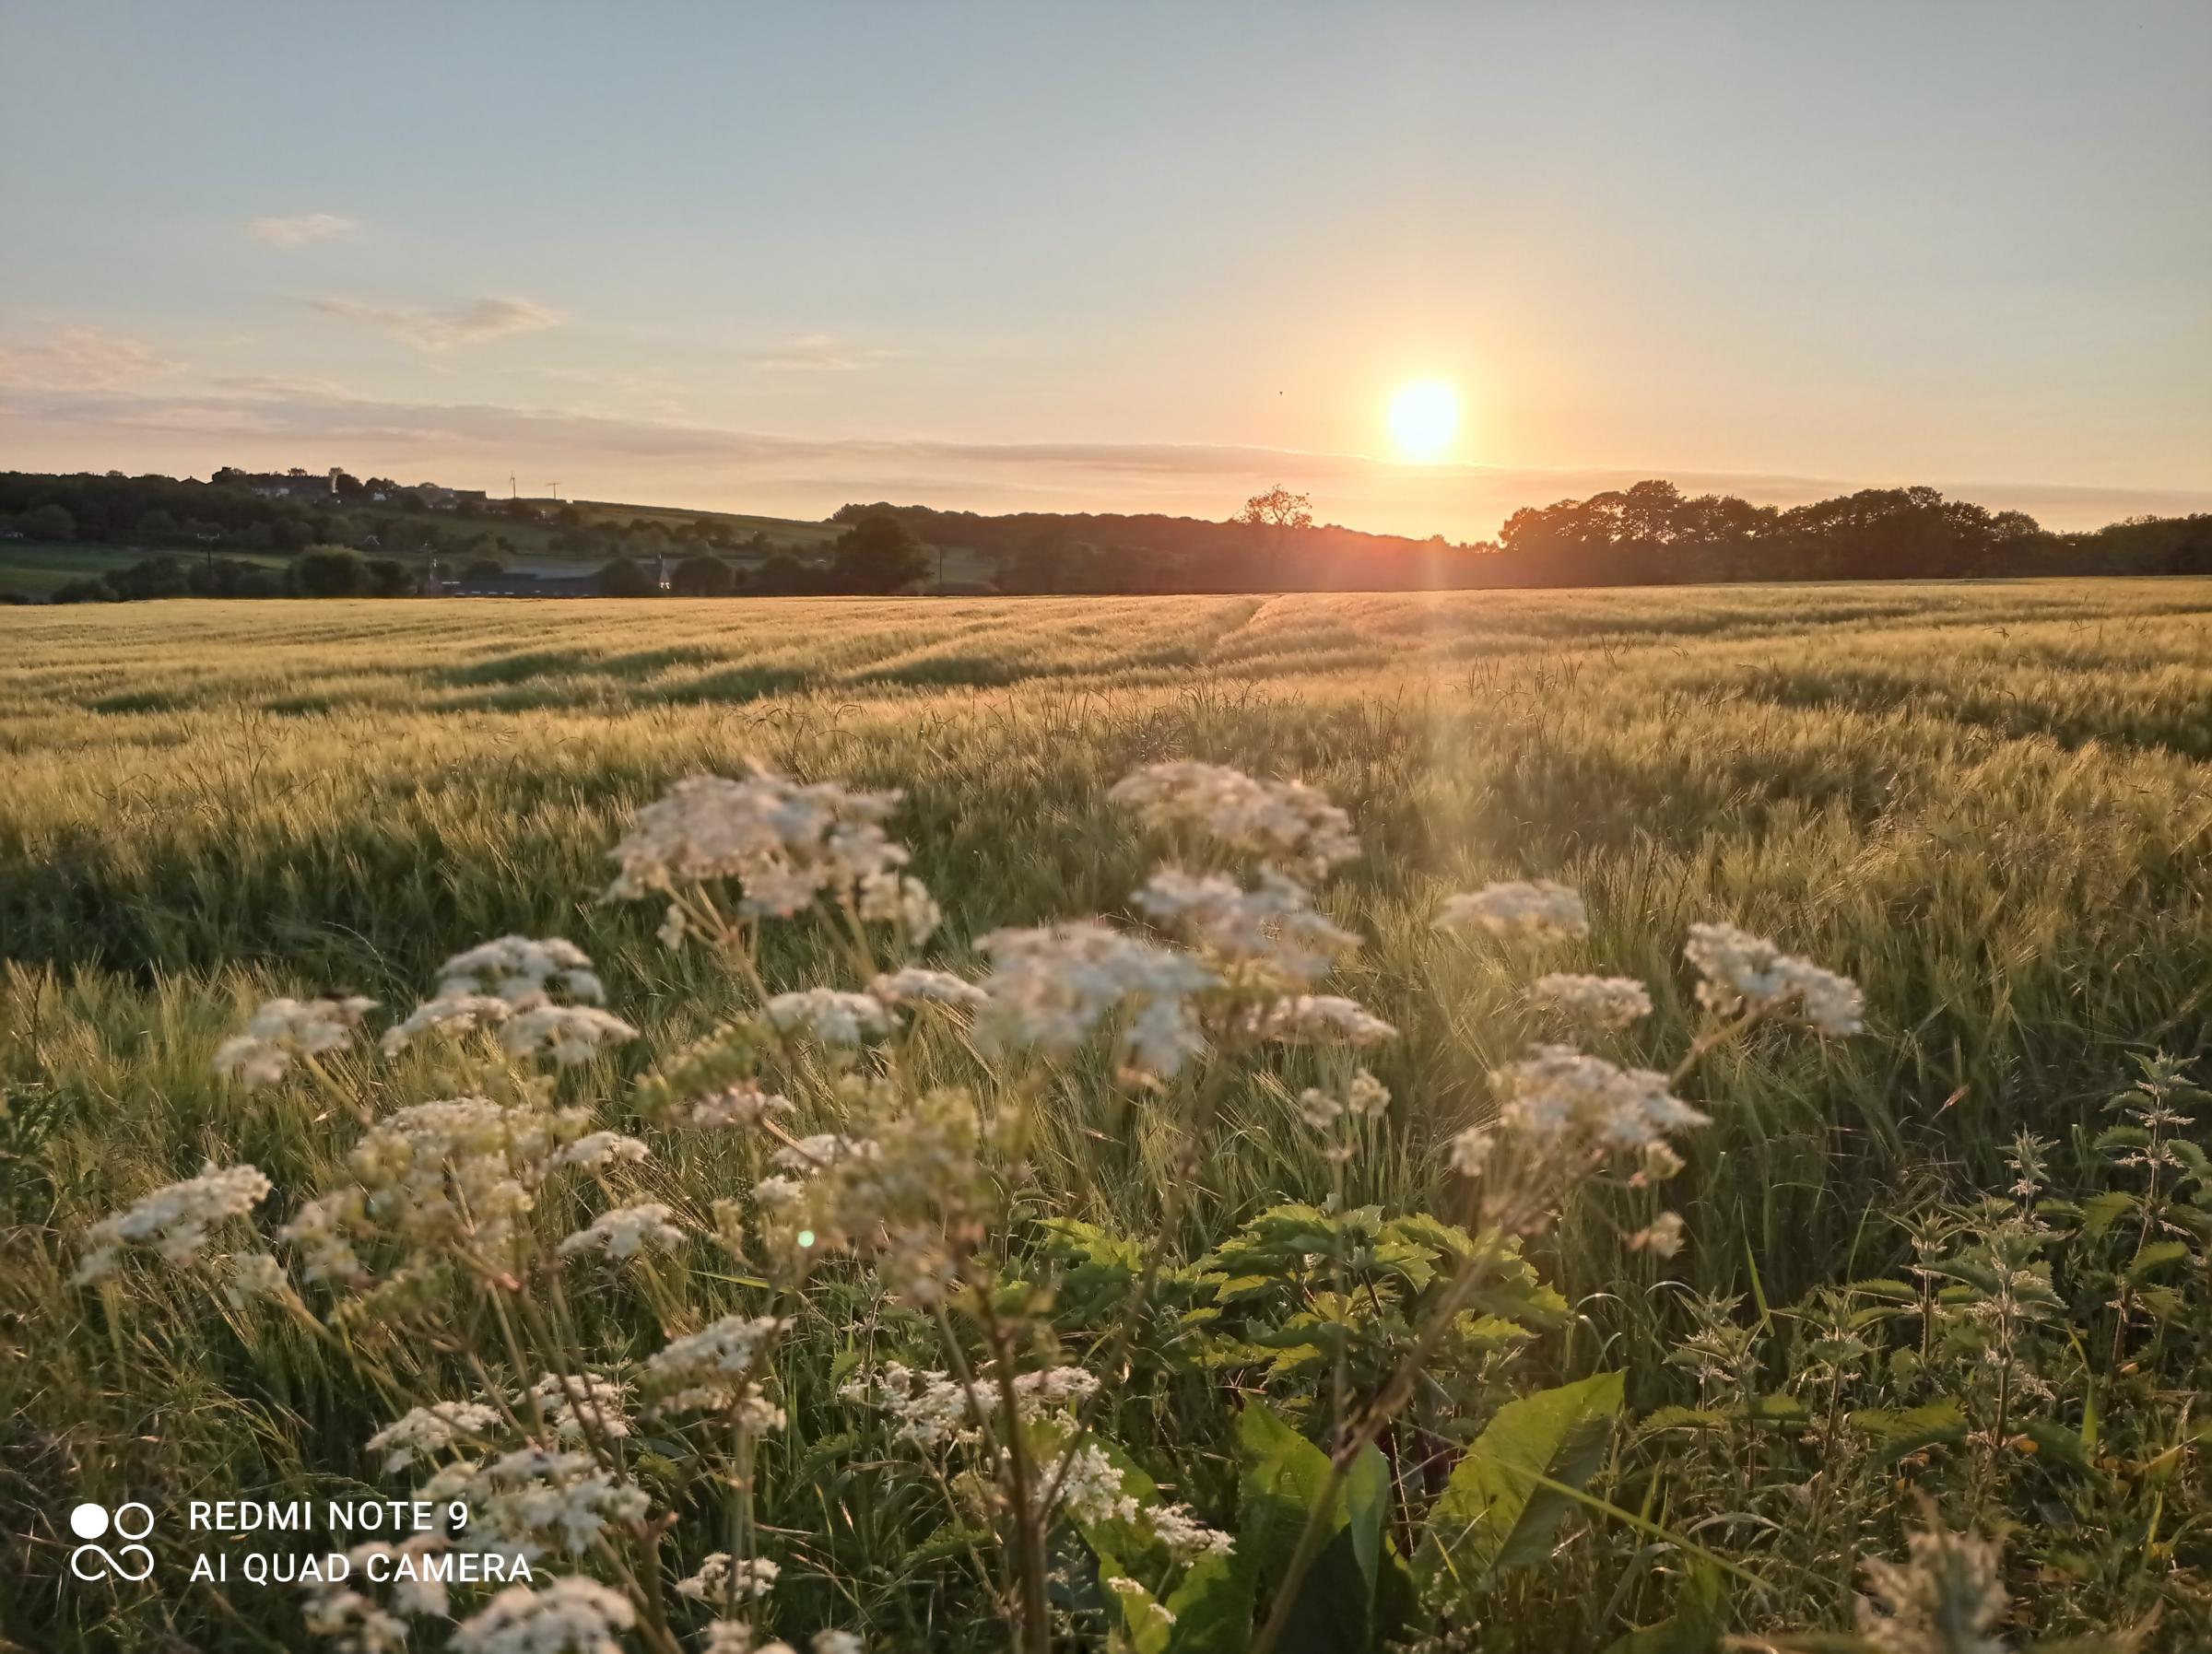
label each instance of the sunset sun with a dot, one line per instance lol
(1424, 417)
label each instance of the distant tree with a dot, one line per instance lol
(701, 576)
(330, 572)
(1279, 508)
(293, 534)
(407, 499)
(333, 529)
(879, 553)
(156, 524)
(623, 577)
(481, 568)
(388, 577)
(93, 590)
(350, 486)
(49, 523)
(156, 577)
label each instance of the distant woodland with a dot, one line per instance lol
(342, 537)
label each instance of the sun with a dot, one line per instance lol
(1424, 417)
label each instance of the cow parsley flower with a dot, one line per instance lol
(510, 984)
(1288, 823)
(784, 842)
(1175, 1527)
(598, 1150)
(577, 1406)
(1266, 938)
(251, 1277)
(1559, 1099)
(888, 898)
(1742, 970)
(173, 1220)
(1541, 911)
(536, 1496)
(1594, 1002)
(737, 1106)
(625, 1232)
(1662, 1236)
(1320, 1019)
(567, 1034)
(915, 986)
(284, 1029)
(424, 1431)
(829, 1015)
(566, 1616)
(712, 1367)
(756, 1577)
(1051, 988)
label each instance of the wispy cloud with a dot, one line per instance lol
(78, 357)
(441, 328)
(297, 229)
(820, 353)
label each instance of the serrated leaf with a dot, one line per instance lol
(1900, 1433)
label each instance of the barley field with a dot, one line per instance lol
(1896, 1331)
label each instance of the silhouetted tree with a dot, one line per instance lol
(622, 577)
(879, 553)
(701, 576)
(330, 572)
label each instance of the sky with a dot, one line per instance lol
(1121, 257)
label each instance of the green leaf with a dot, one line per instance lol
(1285, 1479)
(2156, 1256)
(2101, 1211)
(1135, 1607)
(1494, 1516)
(2055, 1444)
(1900, 1434)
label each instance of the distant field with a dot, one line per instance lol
(35, 569)
(1990, 805)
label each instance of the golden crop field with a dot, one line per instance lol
(1988, 807)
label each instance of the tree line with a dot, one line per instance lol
(1651, 533)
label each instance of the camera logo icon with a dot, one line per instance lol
(93, 1560)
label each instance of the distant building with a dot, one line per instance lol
(525, 585)
(303, 488)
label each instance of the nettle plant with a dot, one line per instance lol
(832, 1204)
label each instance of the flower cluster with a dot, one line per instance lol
(1541, 911)
(715, 1368)
(423, 1432)
(1594, 1002)
(510, 984)
(784, 843)
(571, 1615)
(625, 1232)
(535, 1497)
(755, 1576)
(1747, 972)
(828, 1014)
(173, 1221)
(1287, 824)
(283, 1030)
(1267, 939)
(1051, 988)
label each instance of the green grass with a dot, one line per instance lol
(35, 569)
(1990, 805)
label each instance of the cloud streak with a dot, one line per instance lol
(82, 359)
(820, 353)
(477, 322)
(298, 229)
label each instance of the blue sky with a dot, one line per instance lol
(1116, 257)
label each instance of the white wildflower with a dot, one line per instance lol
(754, 1577)
(1185, 1535)
(893, 899)
(1559, 1100)
(566, 1616)
(742, 1104)
(539, 1494)
(916, 986)
(784, 843)
(1364, 1099)
(836, 1642)
(1051, 988)
(1286, 823)
(829, 1015)
(253, 1275)
(1541, 911)
(567, 1034)
(1471, 1151)
(821, 1150)
(712, 1367)
(1268, 938)
(577, 1406)
(598, 1150)
(1320, 1019)
(354, 1622)
(174, 1220)
(1091, 1490)
(1661, 1238)
(423, 1431)
(1596, 1002)
(284, 1029)
(1742, 970)
(626, 1231)
(735, 1637)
